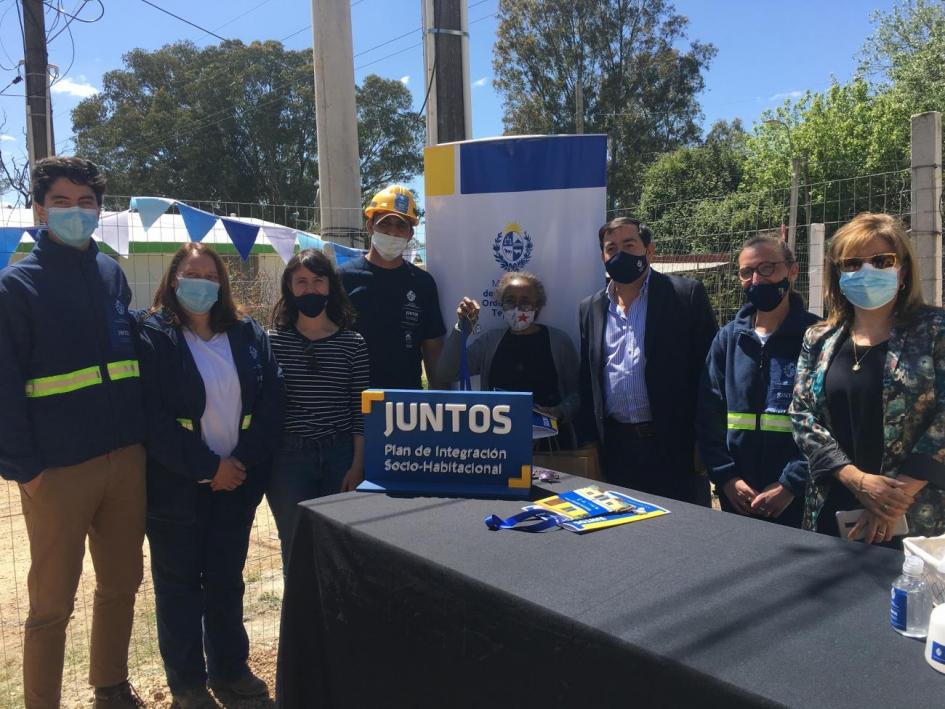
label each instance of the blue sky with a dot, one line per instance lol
(768, 50)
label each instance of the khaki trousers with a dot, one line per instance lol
(102, 499)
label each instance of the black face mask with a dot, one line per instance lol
(311, 305)
(625, 268)
(767, 296)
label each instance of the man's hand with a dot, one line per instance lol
(33, 485)
(230, 475)
(740, 494)
(772, 501)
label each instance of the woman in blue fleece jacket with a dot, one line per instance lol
(743, 429)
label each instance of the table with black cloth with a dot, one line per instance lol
(413, 602)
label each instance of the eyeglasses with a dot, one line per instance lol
(855, 263)
(309, 351)
(524, 307)
(763, 269)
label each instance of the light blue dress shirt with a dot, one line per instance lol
(626, 399)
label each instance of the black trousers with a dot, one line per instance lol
(643, 463)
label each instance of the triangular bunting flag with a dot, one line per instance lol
(150, 209)
(33, 231)
(197, 221)
(308, 241)
(114, 230)
(343, 254)
(10, 237)
(242, 235)
(282, 239)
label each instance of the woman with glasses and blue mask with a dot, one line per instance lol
(214, 401)
(326, 367)
(869, 404)
(522, 356)
(742, 425)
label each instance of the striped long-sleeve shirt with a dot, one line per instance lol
(323, 382)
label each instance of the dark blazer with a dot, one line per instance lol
(174, 401)
(680, 326)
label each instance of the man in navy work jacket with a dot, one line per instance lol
(71, 428)
(644, 340)
(398, 306)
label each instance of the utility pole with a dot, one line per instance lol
(336, 122)
(795, 188)
(446, 63)
(38, 109)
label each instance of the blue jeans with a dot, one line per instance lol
(303, 470)
(197, 570)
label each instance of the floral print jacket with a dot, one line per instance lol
(913, 416)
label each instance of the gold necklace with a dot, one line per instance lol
(856, 360)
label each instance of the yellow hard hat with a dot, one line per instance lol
(395, 199)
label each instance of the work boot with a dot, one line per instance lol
(246, 685)
(196, 698)
(118, 696)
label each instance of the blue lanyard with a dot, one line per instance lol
(465, 384)
(543, 521)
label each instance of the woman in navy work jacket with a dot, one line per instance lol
(214, 400)
(744, 431)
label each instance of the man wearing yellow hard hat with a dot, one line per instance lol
(397, 302)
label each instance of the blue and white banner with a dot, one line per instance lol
(517, 204)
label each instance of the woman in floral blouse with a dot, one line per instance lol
(869, 399)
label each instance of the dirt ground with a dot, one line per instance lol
(262, 604)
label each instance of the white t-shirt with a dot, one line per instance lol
(220, 423)
(763, 337)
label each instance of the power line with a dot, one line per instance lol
(77, 11)
(184, 20)
(76, 17)
(231, 21)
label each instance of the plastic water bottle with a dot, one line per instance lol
(910, 600)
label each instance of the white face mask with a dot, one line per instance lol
(519, 320)
(388, 247)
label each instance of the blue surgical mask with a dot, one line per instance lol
(870, 287)
(72, 225)
(197, 295)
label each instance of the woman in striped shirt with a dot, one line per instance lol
(325, 365)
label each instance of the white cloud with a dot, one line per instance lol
(405, 79)
(4, 137)
(786, 94)
(479, 83)
(80, 89)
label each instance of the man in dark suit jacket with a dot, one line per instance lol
(644, 341)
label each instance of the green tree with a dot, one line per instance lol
(233, 122)
(639, 79)
(906, 53)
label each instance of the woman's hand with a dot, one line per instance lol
(352, 478)
(468, 311)
(878, 529)
(884, 497)
(772, 501)
(230, 475)
(740, 494)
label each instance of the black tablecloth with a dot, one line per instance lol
(403, 602)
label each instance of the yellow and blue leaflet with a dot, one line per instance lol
(590, 508)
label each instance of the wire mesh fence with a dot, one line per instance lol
(699, 238)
